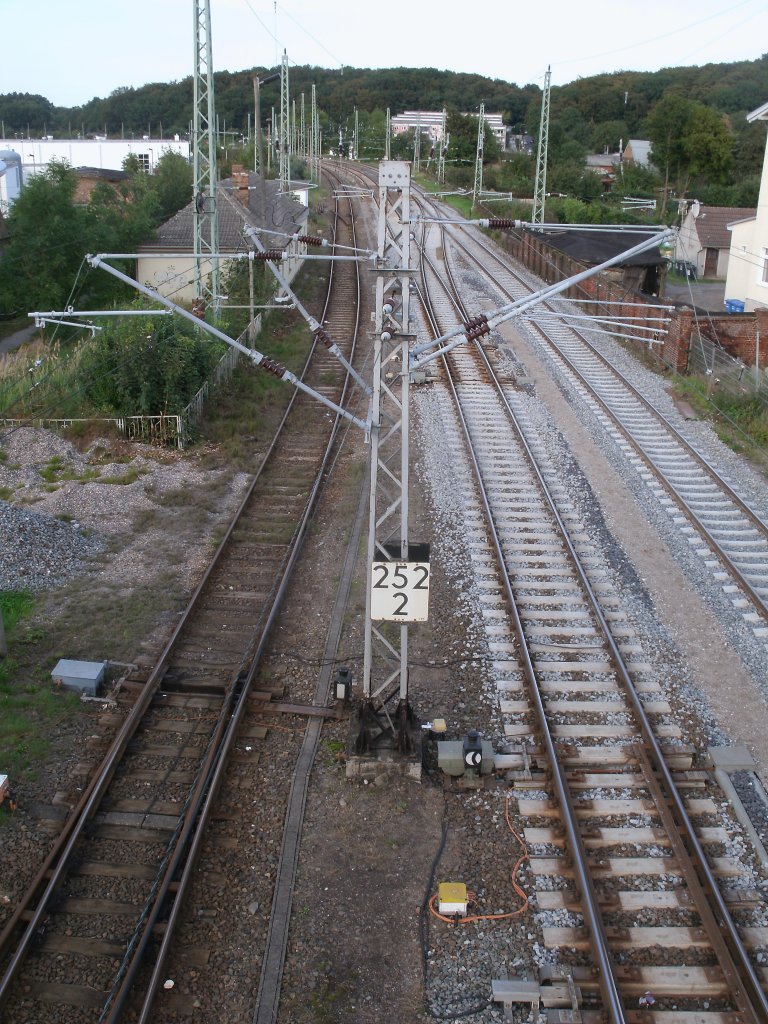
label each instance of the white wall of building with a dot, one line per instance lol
(431, 124)
(36, 154)
(10, 179)
(748, 265)
(741, 263)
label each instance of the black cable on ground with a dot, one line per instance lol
(424, 932)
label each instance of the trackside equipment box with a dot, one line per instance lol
(83, 676)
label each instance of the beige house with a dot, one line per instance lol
(747, 280)
(704, 240)
(167, 264)
(638, 151)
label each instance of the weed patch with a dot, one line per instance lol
(27, 711)
(741, 421)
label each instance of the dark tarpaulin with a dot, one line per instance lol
(593, 247)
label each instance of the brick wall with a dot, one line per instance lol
(736, 332)
(85, 186)
(739, 333)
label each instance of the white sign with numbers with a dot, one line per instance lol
(400, 591)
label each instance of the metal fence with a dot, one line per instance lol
(174, 431)
(726, 375)
(165, 430)
(223, 371)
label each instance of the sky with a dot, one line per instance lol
(72, 50)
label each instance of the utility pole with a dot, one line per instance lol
(355, 150)
(387, 147)
(540, 190)
(477, 188)
(206, 235)
(285, 127)
(442, 150)
(385, 719)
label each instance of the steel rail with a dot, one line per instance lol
(186, 860)
(597, 937)
(744, 983)
(273, 962)
(752, 515)
(216, 775)
(55, 865)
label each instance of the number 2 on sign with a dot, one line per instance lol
(400, 591)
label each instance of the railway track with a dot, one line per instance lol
(91, 937)
(637, 894)
(720, 524)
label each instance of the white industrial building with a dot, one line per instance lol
(431, 123)
(101, 153)
(10, 178)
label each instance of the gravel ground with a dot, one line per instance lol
(372, 852)
(111, 564)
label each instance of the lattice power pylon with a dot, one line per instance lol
(386, 722)
(477, 189)
(285, 127)
(206, 235)
(540, 190)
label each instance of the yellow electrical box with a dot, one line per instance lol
(452, 898)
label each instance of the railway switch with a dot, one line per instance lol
(470, 757)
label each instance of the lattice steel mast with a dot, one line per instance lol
(206, 234)
(540, 190)
(477, 188)
(285, 127)
(315, 139)
(385, 715)
(442, 150)
(302, 131)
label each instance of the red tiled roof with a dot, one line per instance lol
(711, 224)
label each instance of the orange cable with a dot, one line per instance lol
(471, 897)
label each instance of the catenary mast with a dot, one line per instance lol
(206, 234)
(540, 190)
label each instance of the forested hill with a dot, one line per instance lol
(623, 98)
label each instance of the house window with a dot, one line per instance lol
(143, 159)
(764, 277)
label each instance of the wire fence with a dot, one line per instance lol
(161, 429)
(192, 415)
(726, 374)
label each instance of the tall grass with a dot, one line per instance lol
(28, 710)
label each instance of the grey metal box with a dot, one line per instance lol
(84, 676)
